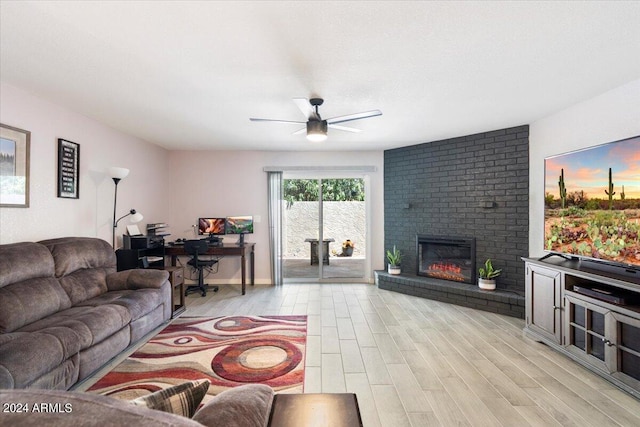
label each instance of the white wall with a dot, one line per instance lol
(611, 116)
(224, 183)
(100, 147)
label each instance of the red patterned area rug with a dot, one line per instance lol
(229, 351)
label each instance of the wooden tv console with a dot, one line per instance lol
(592, 316)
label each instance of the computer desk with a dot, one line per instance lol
(231, 249)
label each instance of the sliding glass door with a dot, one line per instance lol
(301, 229)
(324, 228)
(344, 222)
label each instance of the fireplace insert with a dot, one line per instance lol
(448, 258)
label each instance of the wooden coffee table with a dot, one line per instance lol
(317, 410)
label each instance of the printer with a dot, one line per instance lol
(142, 242)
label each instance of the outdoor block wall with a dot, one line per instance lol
(471, 186)
(342, 221)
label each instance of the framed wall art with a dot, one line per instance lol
(68, 169)
(14, 167)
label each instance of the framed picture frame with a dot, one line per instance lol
(68, 169)
(14, 167)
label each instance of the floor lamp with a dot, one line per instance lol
(118, 174)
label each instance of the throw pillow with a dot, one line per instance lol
(182, 399)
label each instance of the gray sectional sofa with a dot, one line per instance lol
(65, 311)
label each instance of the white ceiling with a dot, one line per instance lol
(189, 74)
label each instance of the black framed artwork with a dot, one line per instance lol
(68, 169)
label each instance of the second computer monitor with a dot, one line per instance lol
(239, 225)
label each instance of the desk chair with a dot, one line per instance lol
(196, 248)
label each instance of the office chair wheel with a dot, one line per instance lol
(203, 294)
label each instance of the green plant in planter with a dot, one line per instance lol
(488, 272)
(394, 257)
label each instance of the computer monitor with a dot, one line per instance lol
(239, 225)
(212, 226)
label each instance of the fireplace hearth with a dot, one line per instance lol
(446, 257)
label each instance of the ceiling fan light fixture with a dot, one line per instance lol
(317, 130)
(316, 127)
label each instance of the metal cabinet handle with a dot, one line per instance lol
(608, 343)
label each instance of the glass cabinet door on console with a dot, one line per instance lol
(585, 331)
(623, 351)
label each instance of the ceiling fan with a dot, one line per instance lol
(316, 128)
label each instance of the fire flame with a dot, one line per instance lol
(447, 271)
(450, 268)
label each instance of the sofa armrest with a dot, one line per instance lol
(245, 406)
(137, 279)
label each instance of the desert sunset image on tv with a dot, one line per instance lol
(592, 202)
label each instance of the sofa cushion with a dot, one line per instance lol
(24, 261)
(182, 399)
(30, 300)
(90, 324)
(28, 356)
(79, 253)
(137, 303)
(82, 264)
(82, 285)
(28, 289)
(245, 406)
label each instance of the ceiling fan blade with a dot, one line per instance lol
(304, 106)
(356, 116)
(253, 119)
(345, 128)
(300, 131)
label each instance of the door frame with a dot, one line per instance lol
(321, 174)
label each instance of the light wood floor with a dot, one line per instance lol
(417, 362)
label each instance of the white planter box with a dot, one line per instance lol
(487, 284)
(393, 270)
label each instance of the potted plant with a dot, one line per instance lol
(394, 257)
(488, 274)
(347, 248)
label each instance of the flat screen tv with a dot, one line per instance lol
(212, 226)
(592, 204)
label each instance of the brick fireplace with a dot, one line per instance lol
(475, 185)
